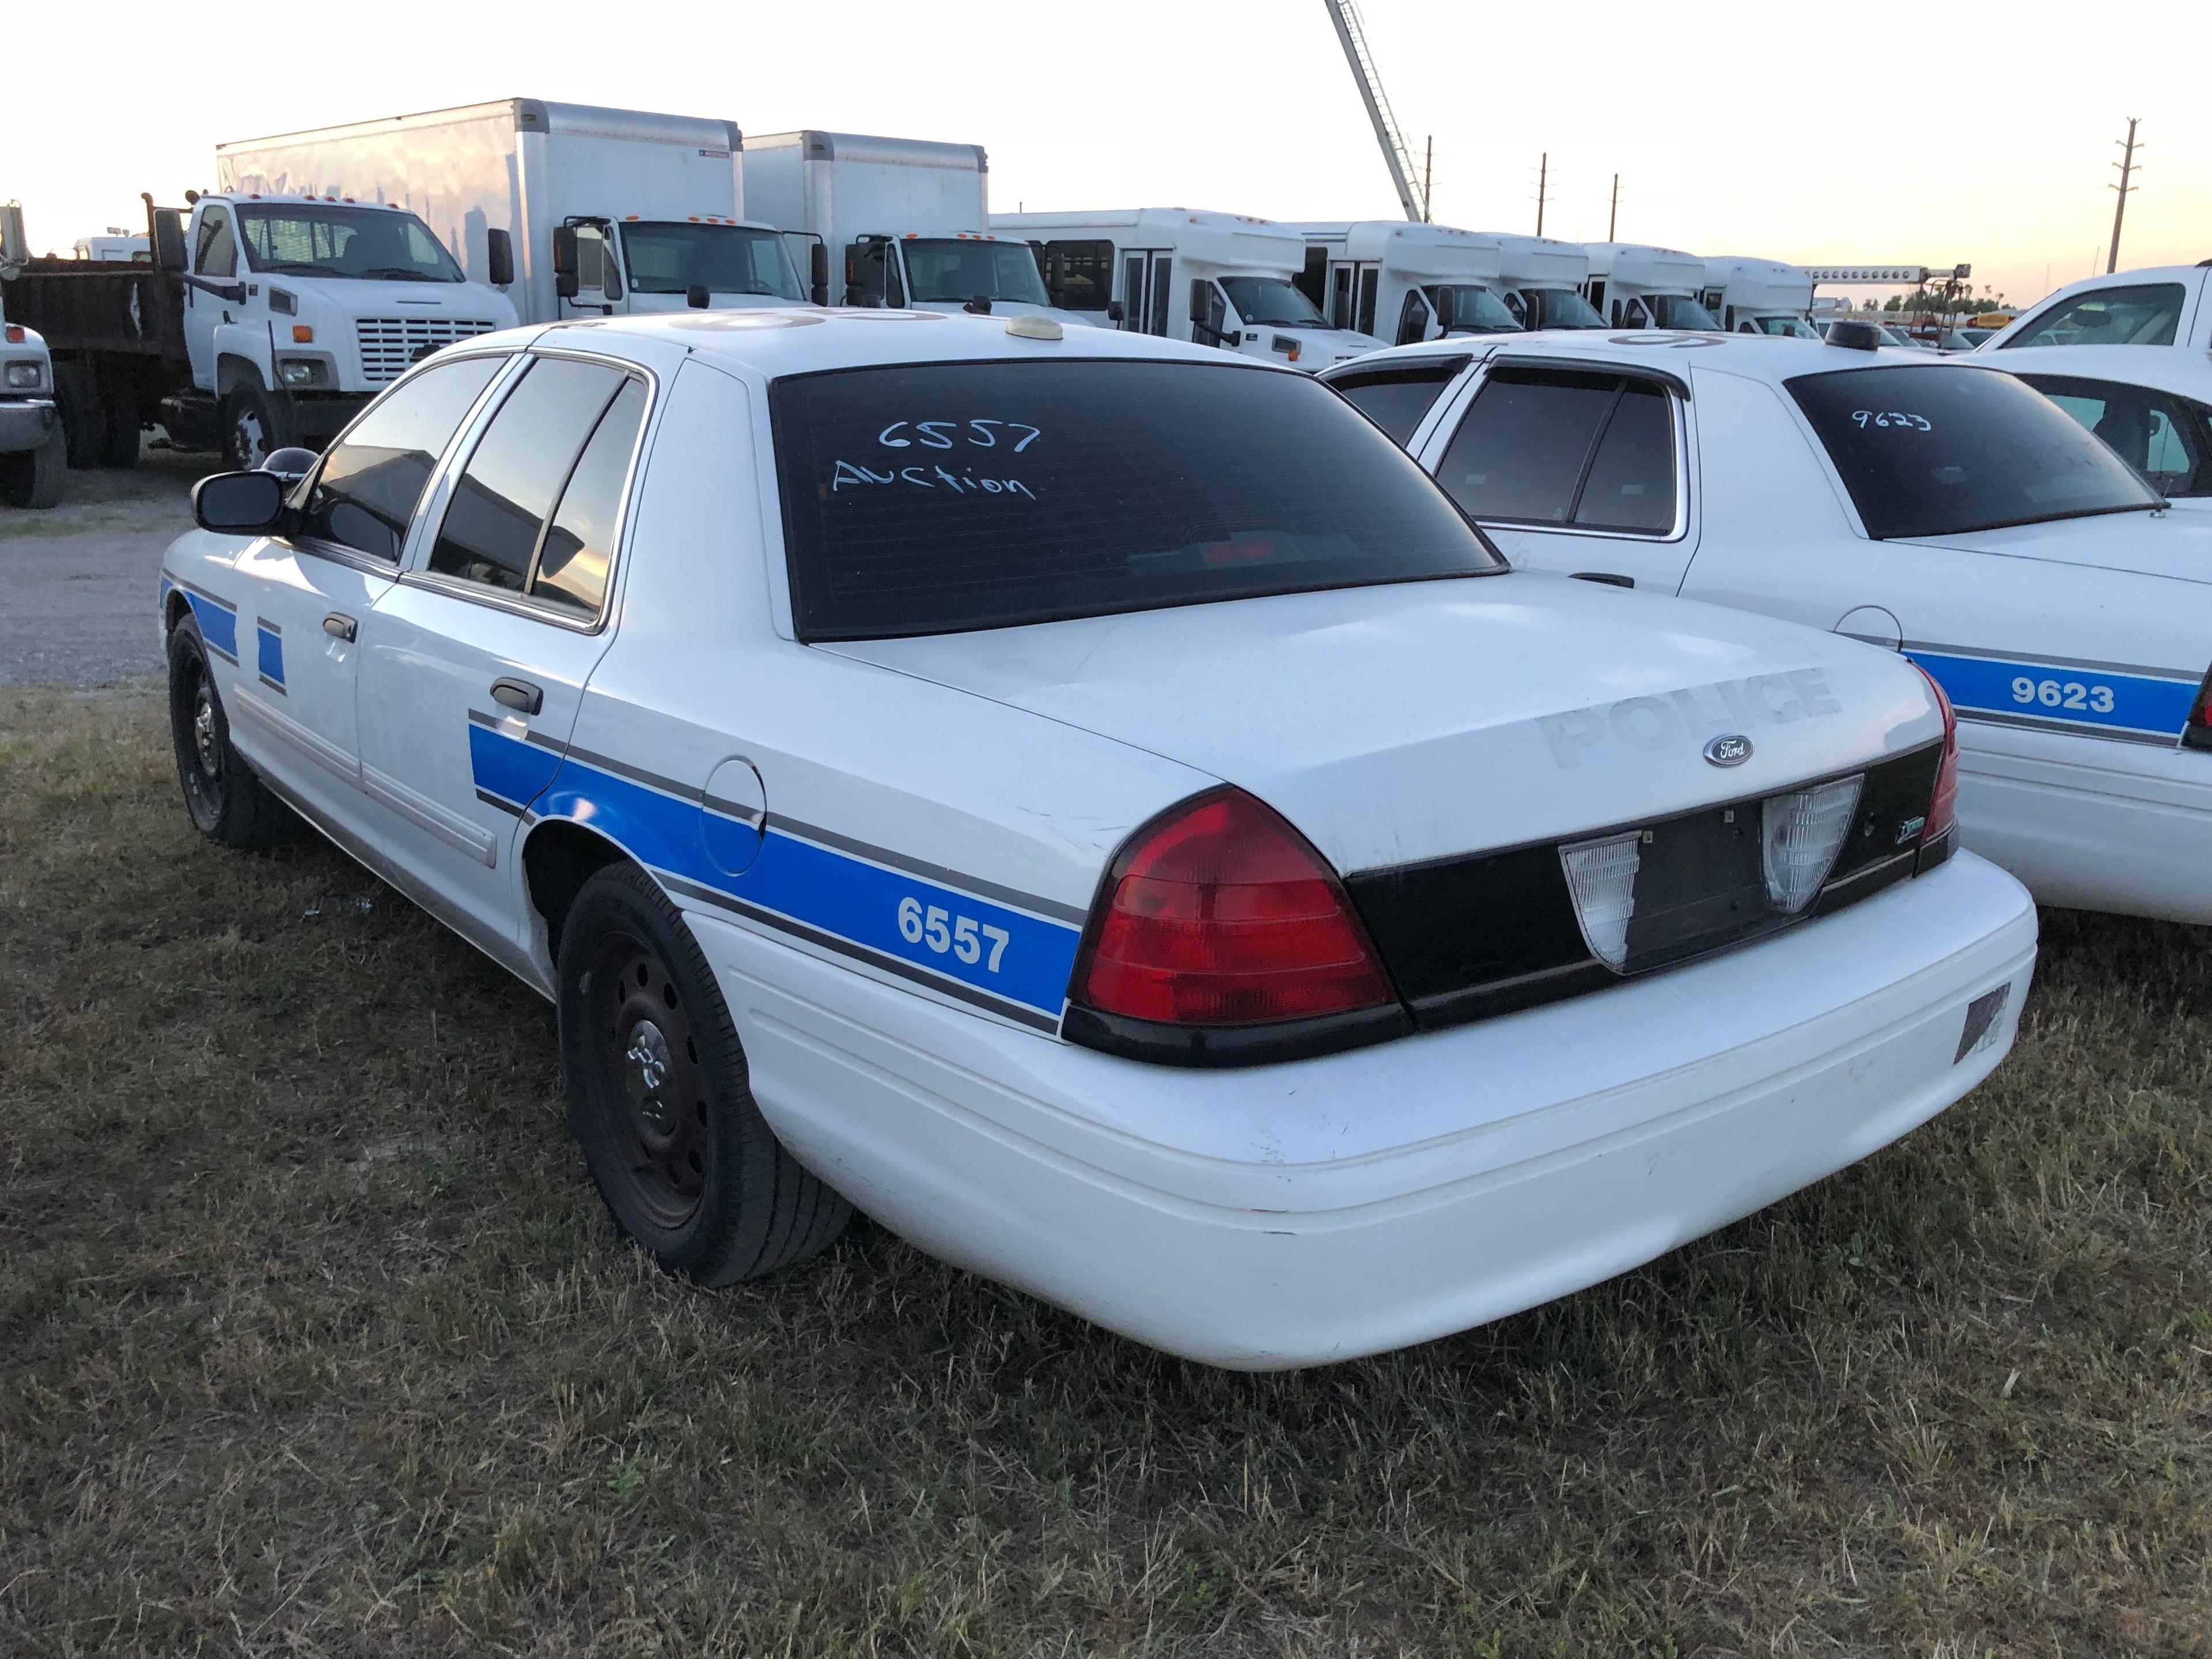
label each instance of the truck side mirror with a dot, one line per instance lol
(1199, 311)
(169, 239)
(564, 261)
(239, 503)
(1445, 303)
(818, 273)
(1114, 311)
(696, 297)
(499, 251)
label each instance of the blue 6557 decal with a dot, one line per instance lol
(2080, 697)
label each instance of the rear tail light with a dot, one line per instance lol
(1943, 805)
(1218, 913)
(2196, 730)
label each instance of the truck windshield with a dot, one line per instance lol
(967, 269)
(1472, 308)
(369, 244)
(1558, 307)
(935, 498)
(666, 257)
(1680, 311)
(1272, 299)
(1943, 449)
(1788, 328)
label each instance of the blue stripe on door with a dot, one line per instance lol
(2090, 699)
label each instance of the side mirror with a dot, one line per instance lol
(818, 273)
(1200, 312)
(169, 239)
(696, 297)
(499, 249)
(1114, 311)
(1445, 303)
(239, 503)
(564, 261)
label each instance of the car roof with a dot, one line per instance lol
(775, 342)
(1755, 357)
(2183, 369)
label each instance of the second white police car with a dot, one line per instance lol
(1093, 804)
(1938, 507)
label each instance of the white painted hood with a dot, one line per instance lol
(1406, 722)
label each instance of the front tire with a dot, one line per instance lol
(659, 1098)
(228, 803)
(255, 426)
(34, 478)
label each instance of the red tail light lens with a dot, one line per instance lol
(1218, 913)
(1943, 807)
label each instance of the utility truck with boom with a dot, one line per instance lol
(573, 210)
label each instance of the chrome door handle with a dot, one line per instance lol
(339, 626)
(521, 696)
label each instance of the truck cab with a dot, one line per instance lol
(632, 265)
(1540, 282)
(1407, 281)
(1218, 279)
(1634, 286)
(1759, 297)
(298, 310)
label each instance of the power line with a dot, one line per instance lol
(2126, 164)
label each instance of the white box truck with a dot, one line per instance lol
(1221, 279)
(1404, 282)
(1634, 286)
(601, 211)
(1759, 297)
(906, 220)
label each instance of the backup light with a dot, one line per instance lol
(1602, 881)
(1802, 833)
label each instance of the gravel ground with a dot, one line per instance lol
(77, 581)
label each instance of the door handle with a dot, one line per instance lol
(521, 696)
(339, 626)
(1609, 578)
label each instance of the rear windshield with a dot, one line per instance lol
(1940, 448)
(932, 498)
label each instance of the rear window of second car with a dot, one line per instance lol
(928, 498)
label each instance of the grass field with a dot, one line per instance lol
(314, 1340)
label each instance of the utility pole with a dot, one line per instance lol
(1612, 214)
(1543, 181)
(1428, 178)
(2126, 164)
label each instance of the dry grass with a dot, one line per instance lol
(314, 1340)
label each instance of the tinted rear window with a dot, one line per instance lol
(933, 498)
(1397, 398)
(1942, 449)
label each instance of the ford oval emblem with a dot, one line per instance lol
(1733, 749)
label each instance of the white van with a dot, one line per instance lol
(1403, 281)
(1220, 279)
(1759, 297)
(1633, 286)
(907, 219)
(575, 211)
(1540, 280)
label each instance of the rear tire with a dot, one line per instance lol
(118, 417)
(34, 478)
(77, 392)
(660, 1099)
(228, 803)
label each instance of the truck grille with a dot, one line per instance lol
(390, 345)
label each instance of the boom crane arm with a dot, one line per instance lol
(1395, 156)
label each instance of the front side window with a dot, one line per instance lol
(668, 257)
(369, 244)
(871, 277)
(964, 269)
(1395, 399)
(1413, 319)
(1564, 448)
(941, 497)
(365, 493)
(1270, 300)
(2166, 437)
(508, 489)
(218, 249)
(2142, 313)
(1944, 449)
(1083, 272)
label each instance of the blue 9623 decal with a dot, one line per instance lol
(2065, 696)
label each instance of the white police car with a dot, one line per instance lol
(1095, 806)
(1938, 506)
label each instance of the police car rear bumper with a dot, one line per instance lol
(1296, 1214)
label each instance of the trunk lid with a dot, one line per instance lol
(1398, 724)
(2177, 544)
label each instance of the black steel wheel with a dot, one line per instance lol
(659, 1099)
(119, 429)
(256, 424)
(228, 803)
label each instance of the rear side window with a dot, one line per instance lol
(938, 497)
(521, 470)
(1562, 447)
(2140, 314)
(1395, 399)
(365, 493)
(1942, 449)
(2166, 437)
